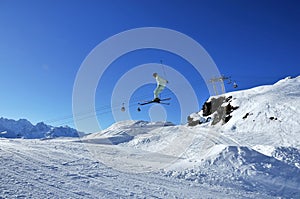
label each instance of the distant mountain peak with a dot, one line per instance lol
(22, 128)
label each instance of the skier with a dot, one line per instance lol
(161, 84)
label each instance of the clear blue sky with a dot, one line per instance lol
(43, 43)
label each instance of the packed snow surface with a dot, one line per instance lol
(257, 156)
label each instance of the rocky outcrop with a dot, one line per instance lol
(214, 110)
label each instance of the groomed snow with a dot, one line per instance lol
(66, 169)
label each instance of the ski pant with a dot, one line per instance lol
(158, 90)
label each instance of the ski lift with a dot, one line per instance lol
(230, 81)
(123, 108)
(235, 85)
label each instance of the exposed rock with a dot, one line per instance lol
(219, 109)
(245, 116)
(192, 122)
(195, 119)
(273, 118)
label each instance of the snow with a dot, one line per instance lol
(280, 101)
(62, 168)
(264, 149)
(257, 156)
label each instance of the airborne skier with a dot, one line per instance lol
(161, 84)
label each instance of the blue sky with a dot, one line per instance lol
(43, 44)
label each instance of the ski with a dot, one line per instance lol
(159, 102)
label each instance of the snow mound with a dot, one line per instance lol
(123, 131)
(246, 169)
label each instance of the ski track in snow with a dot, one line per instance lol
(64, 169)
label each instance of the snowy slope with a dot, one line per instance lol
(273, 114)
(257, 156)
(266, 115)
(65, 169)
(246, 152)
